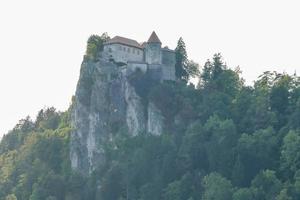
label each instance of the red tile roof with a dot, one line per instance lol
(133, 43)
(143, 44)
(125, 41)
(153, 38)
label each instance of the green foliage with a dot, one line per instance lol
(290, 158)
(175, 99)
(217, 77)
(192, 69)
(219, 87)
(173, 191)
(181, 60)
(283, 195)
(216, 187)
(266, 185)
(11, 197)
(184, 68)
(95, 45)
(243, 194)
(38, 166)
(255, 152)
(294, 120)
(222, 140)
(181, 189)
(47, 119)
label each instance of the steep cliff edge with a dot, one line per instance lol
(107, 104)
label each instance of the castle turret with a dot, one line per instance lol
(153, 50)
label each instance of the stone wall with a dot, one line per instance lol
(123, 53)
(153, 53)
(168, 57)
(133, 66)
(168, 72)
(168, 64)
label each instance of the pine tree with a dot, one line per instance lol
(181, 60)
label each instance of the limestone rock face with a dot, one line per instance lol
(106, 104)
(155, 120)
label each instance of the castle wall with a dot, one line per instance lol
(168, 72)
(133, 66)
(123, 53)
(168, 57)
(160, 62)
(155, 71)
(153, 53)
(168, 64)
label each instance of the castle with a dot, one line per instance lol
(148, 57)
(110, 96)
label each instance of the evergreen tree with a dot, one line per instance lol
(181, 60)
(184, 68)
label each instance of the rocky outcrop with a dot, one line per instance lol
(106, 104)
(155, 120)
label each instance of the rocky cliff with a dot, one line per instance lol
(107, 104)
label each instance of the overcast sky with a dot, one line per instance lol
(42, 42)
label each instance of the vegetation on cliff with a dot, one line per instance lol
(95, 45)
(224, 141)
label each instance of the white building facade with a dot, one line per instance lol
(146, 56)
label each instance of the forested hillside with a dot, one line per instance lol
(226, 141)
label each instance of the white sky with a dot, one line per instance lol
(42, 42)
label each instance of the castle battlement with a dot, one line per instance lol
(146, 56)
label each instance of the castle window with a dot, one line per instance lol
(138, 52)
(109, 49)
(120, 48)
(124, 49)
(128, 50)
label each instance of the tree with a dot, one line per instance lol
(217, 77)
(181, 60)
(266, 185)
(242, 103)
(180, 189)
(279, 94)
(95, 45)
(25, 125)
(220, 144)
(47, 118)
(219, 86)
(294, 120)
(290, 157)
(283, 195)
(184, 68)
(192, 69)
(243, 194)
(11, 197)
(280, 98)
(192, 153)
(297, 182)
(216, 187)
(212, 71)
(173, 191)
(112, 184)
(265, 81)
(255, 152)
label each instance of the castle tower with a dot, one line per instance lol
(153, 50)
